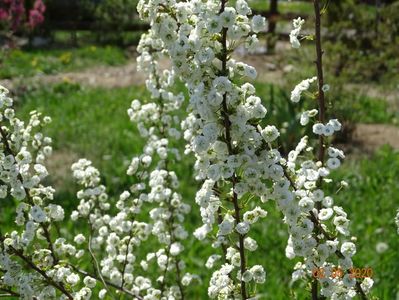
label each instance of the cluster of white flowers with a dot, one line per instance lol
(233, 155)
(236, 159)
(327, 129)
(24, 150)
(115, 239)
(294, 34)
(319, 230)
(303, 86)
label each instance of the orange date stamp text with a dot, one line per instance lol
(337, 272)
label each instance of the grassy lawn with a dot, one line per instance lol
(299, 7)
(86, 37)
(93, 123)
(17, 63)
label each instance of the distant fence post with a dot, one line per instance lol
(271, 38)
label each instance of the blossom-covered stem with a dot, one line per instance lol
(115, 286)
(241, 243)
(163, 283)
(315, 288)
(126, 260)
(178, 279)
(173, 240)
(162, 131)
(328, 236)
(227, 124)
(321, 104)
(178, 275)
(220, 220)
(94, 259)
(49, 242)
(338, 253)
(171, 210)
(322, 120)
(320, 77)
(31, 265)
(44, 226)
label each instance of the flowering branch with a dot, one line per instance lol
(31, 265)
(314, 242)
(233, 180)
(321, 103)
(320, 77)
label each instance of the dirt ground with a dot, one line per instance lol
(370, 137)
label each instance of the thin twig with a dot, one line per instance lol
(10, 293)
(113, 285)
(30, 263)
(95, 261)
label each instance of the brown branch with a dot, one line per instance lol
(178, 277)
(227, 125)
(30, 263)
(125, 260)
(315, 289)
(322, 119)
(320, 78)
(327, 235)
(10, 292)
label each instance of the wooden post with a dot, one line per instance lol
(271, 38)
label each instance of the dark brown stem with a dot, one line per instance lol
(322, 119)
(162, 133)
(227, 125)
(178, 277)
(320, 77)
(49, 242)
(28, 261)
(173, 239)
(322, 111)
(125, 260)
(315, 289)
(10, 292)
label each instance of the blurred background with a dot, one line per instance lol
(75, 60)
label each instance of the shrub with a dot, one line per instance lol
(238, 164)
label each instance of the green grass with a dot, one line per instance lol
(17, 63)
(299, 7)
(371, 202)
(93, 123)
(87, 38)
